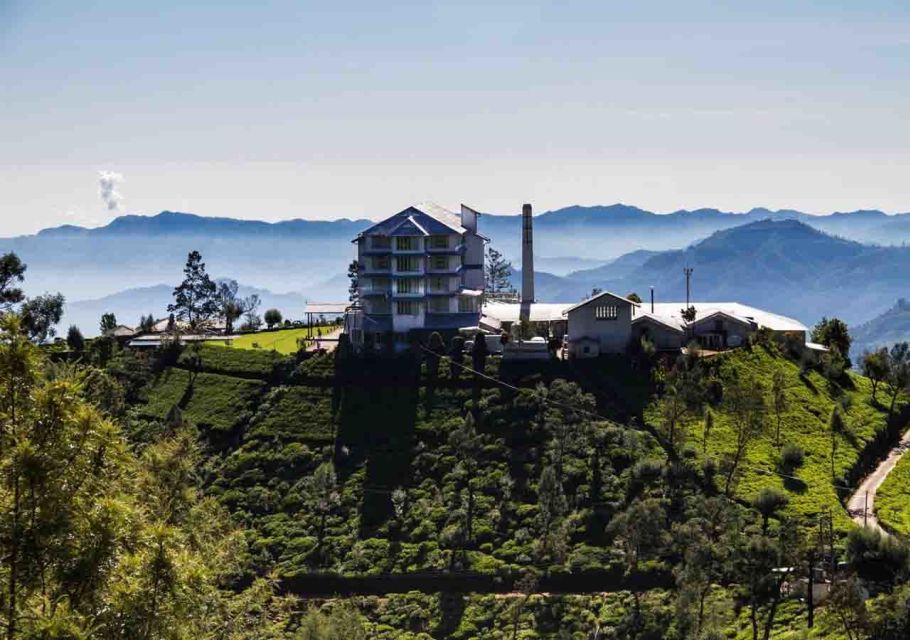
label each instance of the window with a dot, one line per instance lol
(439, 263)
(606, 312)
(439, 305)
(381, 242)
(408, 285)
(467, 304)
(406, 263)
(406, 243)
(381, 263)
(439, 242)
(378, 307)
(406, 308)
(438, 284)
(380, 285)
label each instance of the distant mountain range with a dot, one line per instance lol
(786, 267)
(883, 330)
(129, 305)
(779, 259)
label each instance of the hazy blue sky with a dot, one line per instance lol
(279, 109)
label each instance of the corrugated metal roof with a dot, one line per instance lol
(326, 307)
(670, 313)
(537, 311)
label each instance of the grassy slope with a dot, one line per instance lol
(805, 424)
(283, 341)
(892, 501)
(209, 400)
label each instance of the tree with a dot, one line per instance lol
(875, 365)
(778, 400)
(194, 298)
(836, 427)
(74, 339)
(354, 286)
(552, 506)
(708, 427)
(344, 622)
(230, 306)
(634, 297)
(641, 529)
(272, 318)
(705, 543)
(12, 271)
(764, 564)
(108, 323)
(41, 314)
(466, 443)
(833, 334)
(320, 494)
(848, 603)
(768, 503)
(683, 394)
(497, 274)
(744, 399)
(898, 377)
(250, 307)
(565, 415)
(147, 323)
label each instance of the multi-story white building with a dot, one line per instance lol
(421, 269)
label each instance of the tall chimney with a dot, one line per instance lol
(652, 299)
(527, 255)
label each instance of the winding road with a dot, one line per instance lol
(863, 512)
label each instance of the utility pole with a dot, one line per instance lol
(866, 509)
(688, 271)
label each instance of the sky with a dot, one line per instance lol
(279, 109)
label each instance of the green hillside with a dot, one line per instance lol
(892, 500)
(364, 476)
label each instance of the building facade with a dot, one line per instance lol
(420, 270)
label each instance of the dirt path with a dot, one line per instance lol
(858, 508)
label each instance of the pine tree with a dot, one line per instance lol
(497, 273)
(194, 298)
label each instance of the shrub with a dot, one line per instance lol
(792, 458)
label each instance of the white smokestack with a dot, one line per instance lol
(527, 254)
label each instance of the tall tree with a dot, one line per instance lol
(74, 339)
(320, 494)
(875, 367)
(230, 306)
(497, 273)
(834, 334)
(354, 282)
(272, 318)
(41, 314)
(744, 398)
(778, 400)
(12, 271)
(194, 298)
(898, 378)
(250, 312)
(108, 323)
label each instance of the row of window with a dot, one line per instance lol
(434, 305)
(436, 284)
(606, 312)
(408, 243)
(409, 263)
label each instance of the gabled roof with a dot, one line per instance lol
(725, 314)
(420, 220)
(657, 320)
(602, 294)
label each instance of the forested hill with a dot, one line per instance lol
(438, 503)
(784, 266)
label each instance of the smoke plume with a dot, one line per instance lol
(107, 189)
